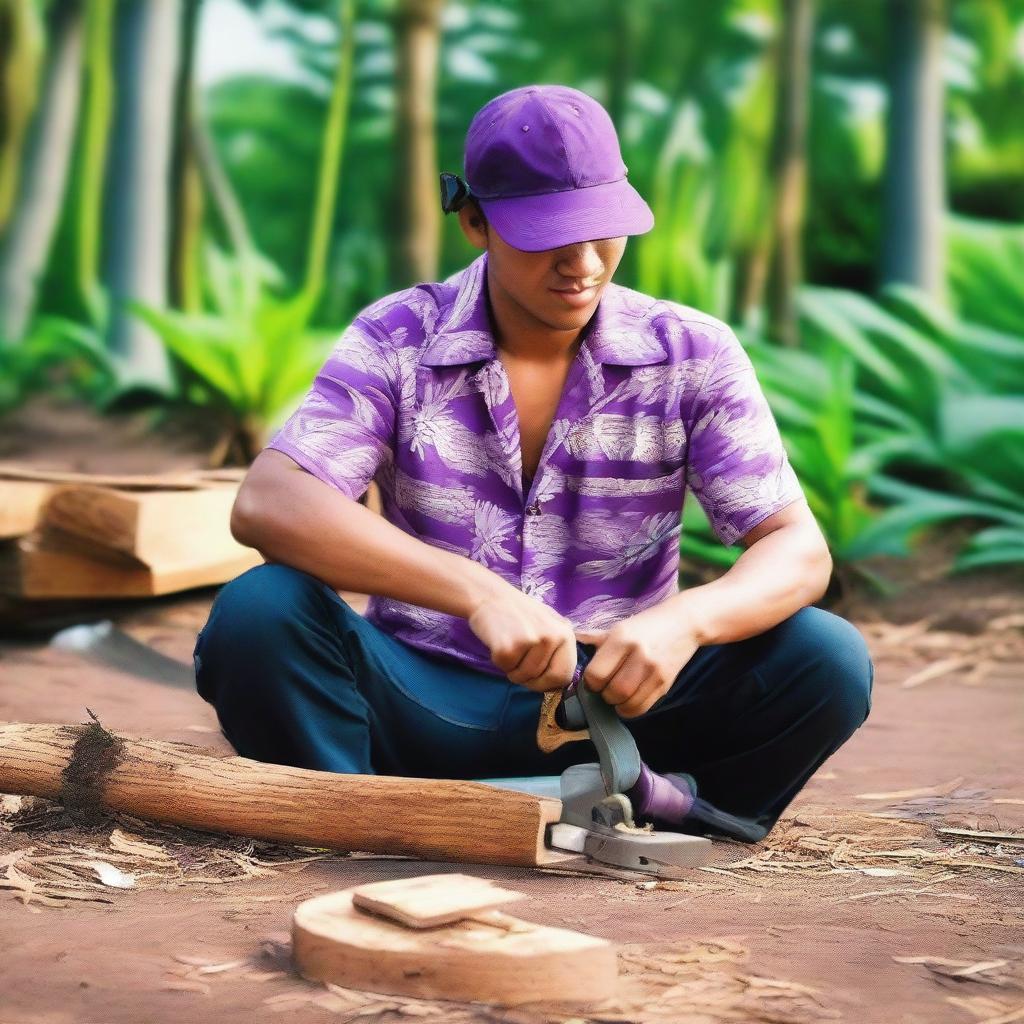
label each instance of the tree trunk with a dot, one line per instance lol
(418, 33)
(138, 187)
(43, 178)
(914, 189)
(789, 168)
(93, 771)
(186, 189)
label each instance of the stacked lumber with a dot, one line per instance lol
(78, 535)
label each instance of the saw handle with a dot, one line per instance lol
(569, 714)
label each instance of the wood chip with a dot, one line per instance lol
(109, 875)
(984, 837)
(902, 794)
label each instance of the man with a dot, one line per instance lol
(533, 428)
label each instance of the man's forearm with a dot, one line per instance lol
(309, 525)
(773, 578)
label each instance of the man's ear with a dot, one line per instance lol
(473, 222)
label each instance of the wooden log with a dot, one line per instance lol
(162, 529)
(91, 769)
(498, 959)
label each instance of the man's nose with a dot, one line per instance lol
(581, 261)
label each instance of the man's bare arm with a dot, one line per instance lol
(291, 516)
(786, 566)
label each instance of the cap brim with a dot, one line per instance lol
(554, 219)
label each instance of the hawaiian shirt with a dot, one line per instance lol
(660, 400)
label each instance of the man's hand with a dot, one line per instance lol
(638, 659)
(531, 643)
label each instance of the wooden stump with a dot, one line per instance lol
(487, 956)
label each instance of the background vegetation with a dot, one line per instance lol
(196, 197)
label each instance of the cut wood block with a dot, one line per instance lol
(430, 900)
(51, 565)
(21, 502)
(504, 960)
(162, 529)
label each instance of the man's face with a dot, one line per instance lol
(542, 283)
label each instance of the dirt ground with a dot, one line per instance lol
(891, 891)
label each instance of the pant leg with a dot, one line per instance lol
(750, 720)
(299, 678)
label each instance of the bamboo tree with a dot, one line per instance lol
(22, 53)
(99, 93)
(187, 192)
(789, 168)
(45, 160)
(331, 157)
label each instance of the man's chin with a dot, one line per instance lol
(566, 318)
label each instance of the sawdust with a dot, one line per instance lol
(703, 981)
(834, 841)
(968, 645)
(48, 856)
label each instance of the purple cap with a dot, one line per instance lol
(544, 163)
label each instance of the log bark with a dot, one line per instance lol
(92, 770)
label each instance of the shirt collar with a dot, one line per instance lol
(618, 332)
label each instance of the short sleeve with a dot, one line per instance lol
(737, 466)
(344, 428)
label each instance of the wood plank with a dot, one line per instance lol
(436, 819)
(21, 502)
(184, 480)
(505, 960)
(49, 565)
(162, 529)
(430, 900)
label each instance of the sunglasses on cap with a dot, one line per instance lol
(455, 192)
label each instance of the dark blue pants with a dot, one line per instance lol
(299, 678)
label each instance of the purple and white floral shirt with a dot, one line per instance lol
(660, 399)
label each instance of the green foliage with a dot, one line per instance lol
(898, 416)
(925, 409)
(250, 357)
(986, 271)
(59, 356)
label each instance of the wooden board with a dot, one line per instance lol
(430, 900)
(187, 480)
(436, 819)
(162, 529)
(49, 565)
(21, 502)
(505, 961)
